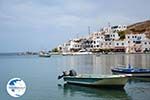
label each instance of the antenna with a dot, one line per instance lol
(109, 24)
(109, 27)
(89, 30)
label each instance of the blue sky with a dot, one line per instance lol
(43, 24)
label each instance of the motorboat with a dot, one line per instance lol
(104, 81)
(44, 54)
(122, 70)
(138, 73)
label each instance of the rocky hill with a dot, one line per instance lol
(140, 27)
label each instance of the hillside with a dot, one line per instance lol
(140, 27)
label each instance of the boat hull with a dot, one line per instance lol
(127, 72)
(44, 55)
(112, 82)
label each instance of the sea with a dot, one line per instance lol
(40, 76)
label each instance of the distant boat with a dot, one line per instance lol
(106, 81)
(82, 52)
(140, 73)
(43, 54)
(67, 53)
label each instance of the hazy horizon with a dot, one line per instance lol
(34, 25)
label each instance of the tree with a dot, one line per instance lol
(122, 35)
(55, 50)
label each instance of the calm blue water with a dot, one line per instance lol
(40, 76)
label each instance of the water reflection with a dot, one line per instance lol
(103, 63)
(134, 90)
(138, 90)
(73, 90)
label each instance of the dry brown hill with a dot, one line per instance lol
(140, 27)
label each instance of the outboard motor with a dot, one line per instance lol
(72, 73)
(64, 74)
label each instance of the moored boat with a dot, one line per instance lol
(98, 80)
(138, 73)
(43, 54)
(121, 70)
(104, 81)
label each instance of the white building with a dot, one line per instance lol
(135, 37)
(120, 43)
(114, 28)
(119, 28)
(111, 36)
(137, 43)
(145, 45)
(96, 34)
(108, 38)
(66, 47)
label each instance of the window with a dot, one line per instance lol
(128, 37)
(146, 49)
(97, 45)
(139, 38)
(122, 43)
(109, 43)
(132, 36)
(117, 43)
(145, 43)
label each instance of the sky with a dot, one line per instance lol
(34, 25)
